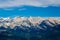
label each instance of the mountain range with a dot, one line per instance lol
(30, 28)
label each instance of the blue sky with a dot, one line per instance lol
(43, 8)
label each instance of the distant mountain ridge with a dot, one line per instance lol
(36, 28)
(29, 21)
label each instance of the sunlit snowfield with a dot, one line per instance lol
(30, 28)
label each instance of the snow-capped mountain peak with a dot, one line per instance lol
(28, 21)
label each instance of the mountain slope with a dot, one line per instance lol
(32, 28)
